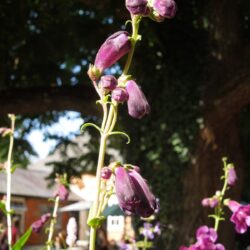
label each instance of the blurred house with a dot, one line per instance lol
(30, 194)
(117, 224)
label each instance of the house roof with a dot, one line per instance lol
(30, 183)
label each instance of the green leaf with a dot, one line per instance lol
(96, 222)
(85, 125)
(121, 133)
(3, 207)
(21, 242)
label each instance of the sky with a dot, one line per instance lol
(66, 125)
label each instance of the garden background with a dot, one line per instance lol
(195, 70)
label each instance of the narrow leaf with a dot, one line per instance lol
(21, 241)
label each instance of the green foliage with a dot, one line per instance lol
(22, 240)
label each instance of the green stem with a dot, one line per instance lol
(8, 171)
(145, 243)
(135, 37)
(219, 209)
(52, 223)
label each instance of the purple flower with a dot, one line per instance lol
(147, 231)
(106, 173)
(206, 238)
(120, 95)
(108, 82)
(165, 8)
(137, 103)
(210, 202)
(232, 177)
(133, 193)
(38, 225)
(124, 246)
(137, 7)
(116, 46)
(157, 229)
(62, 192)
(240, 216)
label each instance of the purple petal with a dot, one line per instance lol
(137, 103)
(116, 46)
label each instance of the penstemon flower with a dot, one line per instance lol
(120, 95)
(38, 225)
(137, 7)
(206, 240)
(62, 192)
(240, 216)
(137, 103)
(133, 193)
(115, 47)
(108, 83)
(165, 8)
(232, 177)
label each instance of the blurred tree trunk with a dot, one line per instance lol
(226, 94)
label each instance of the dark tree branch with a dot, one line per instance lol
(41, 99)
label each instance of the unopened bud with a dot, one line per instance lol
(165, 8)
(106, 173)
(108, 82)
(136, 7)
(120, 95)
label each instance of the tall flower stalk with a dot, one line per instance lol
(8, 173)
(135, 197)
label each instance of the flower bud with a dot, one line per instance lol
(108, 82)
(116, 46)
(210, 202)
(62, 192)
(165, 8)
(136, 7)
(133, 193)
(137, 103)
(120, 95)
(232, 177)
(106, 173)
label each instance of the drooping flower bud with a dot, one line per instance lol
(108, 82)
(136, 7)
(106, 173)
(120, 95)
(62, 192)
(232, 177)
(133, 193)
(38, 225)
(137, 103)
(165, 8)
(116, 46)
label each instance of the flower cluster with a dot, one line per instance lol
(158, 10)
(149, 230)
(206, 240)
